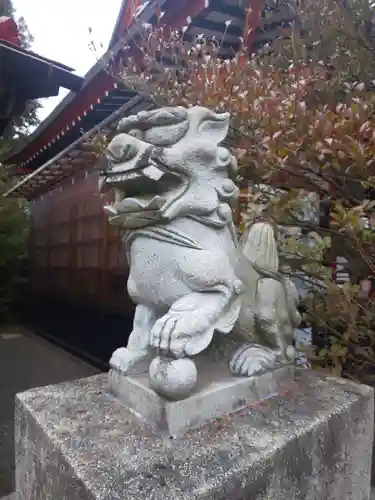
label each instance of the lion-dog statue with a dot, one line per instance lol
(189, 274)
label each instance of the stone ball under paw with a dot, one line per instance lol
(173, 378)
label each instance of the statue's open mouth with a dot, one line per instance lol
(140, 194)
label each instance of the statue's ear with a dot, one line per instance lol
(208, 125)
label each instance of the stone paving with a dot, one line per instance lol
(13, 496)
(26, 361)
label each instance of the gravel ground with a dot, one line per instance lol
(26, 361)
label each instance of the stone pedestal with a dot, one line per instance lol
(75, 441)
(217, 393)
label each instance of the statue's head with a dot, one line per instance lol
(168, 163)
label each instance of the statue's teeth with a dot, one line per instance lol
(110, 209)
(152, 172)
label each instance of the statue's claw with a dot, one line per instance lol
(161, 335)
(128, 361)
(180, 334)
(249, 360)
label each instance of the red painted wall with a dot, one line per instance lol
(73, 251)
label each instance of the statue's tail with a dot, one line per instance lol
(254, 259)
(257, 258)
(257, 255)
(259, 246)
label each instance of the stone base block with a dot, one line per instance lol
(76, 441)
(216, 394)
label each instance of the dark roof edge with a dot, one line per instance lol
(35, 55)
(54, 113)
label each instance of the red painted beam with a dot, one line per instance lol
(252, 20)
(176, 13)
(175, 17)
(128, 16)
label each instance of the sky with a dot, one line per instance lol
(61, 32)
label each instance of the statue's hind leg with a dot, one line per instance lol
(272, 333)
(136, 357)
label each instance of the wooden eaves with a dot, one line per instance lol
(80, 154)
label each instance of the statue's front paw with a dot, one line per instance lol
(166, 335)
(128, 361)
(181, 333)
(249, 360)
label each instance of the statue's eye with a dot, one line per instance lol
(138, 134)
(120, 151)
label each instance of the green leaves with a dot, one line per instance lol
(13, 235)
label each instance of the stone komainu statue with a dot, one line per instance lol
(189, 275)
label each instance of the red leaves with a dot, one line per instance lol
(287, 115)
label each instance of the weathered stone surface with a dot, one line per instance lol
(216, 393)
(27, 361)
(75, 441)
(12, 496)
